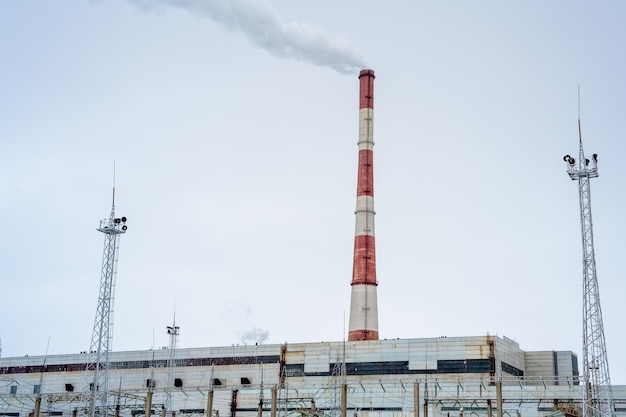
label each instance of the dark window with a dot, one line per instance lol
(150, 383)
(36, 388)
(13, 389)
(294, 370)
(178, 383)
(69, 387)
(245, 381)
(510, 369)
(216, 381)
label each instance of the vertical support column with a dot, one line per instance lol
(426, 399)
(233, 403)
(209, 404)
(489, 409)
(274, 396)
(37, 410)
(364, 303)
(416, 400)
(344, 399)
(148, 412)
(499, 398)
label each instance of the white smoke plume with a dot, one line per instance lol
(254, 335)
(240, 317)
(259, 22)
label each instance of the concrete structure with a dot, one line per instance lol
(482, 376)
(364, 305)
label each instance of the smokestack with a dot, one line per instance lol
(363, 304)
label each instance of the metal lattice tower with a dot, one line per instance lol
(337, 381)
(597, 397)
(98, 362)
(173, 331)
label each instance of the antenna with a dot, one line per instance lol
(343, 356)
(38, 389)
(597, 395)
(98, 361)
(173, 331)
(580, 134)
(45, 360)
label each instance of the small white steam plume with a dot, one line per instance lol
(254, 335)
(260, 24)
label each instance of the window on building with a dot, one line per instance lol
(36, 388)
(13, 389)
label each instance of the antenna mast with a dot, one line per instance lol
(98, 362)
(597, 395)
(173, 331)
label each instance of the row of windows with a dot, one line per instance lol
(237, 360)
(459, 366)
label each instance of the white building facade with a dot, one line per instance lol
(432, 377)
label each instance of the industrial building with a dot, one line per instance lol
(436, 376)
(481, 376)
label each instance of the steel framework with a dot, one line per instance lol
(597, 397)
(173, 331)
(100, 346)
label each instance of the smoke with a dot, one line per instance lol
(240, 317)
(254, 335)
(259, 22)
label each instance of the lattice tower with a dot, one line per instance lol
(98, 362)
(173, 331)
(597, 397)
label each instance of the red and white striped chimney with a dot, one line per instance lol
(363, 304)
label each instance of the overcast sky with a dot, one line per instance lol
(233, 126)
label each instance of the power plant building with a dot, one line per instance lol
(433, 376)
(364, 376)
